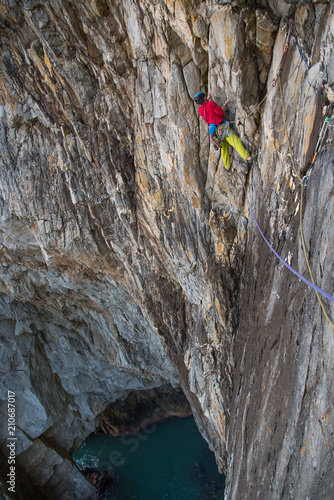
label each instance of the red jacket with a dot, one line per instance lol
(211, 112)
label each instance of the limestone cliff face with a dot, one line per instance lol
(129, 258)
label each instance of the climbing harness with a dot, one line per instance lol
(322, 135)
(221, 132)
(312, 285)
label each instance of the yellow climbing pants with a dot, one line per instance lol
(235, 142)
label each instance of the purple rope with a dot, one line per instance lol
(325, 294)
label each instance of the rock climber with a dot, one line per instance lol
(220, 132)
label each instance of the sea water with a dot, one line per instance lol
(166, 461)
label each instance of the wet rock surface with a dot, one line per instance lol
(128, 255)
(140, 409)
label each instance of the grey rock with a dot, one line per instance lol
(129, 258)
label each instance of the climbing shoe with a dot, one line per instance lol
(252, 157)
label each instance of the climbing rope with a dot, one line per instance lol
(253, 112)
(278, 74)
(312, 284)
(307, 282)
(305, 179)
(274, 83)
(306, 257)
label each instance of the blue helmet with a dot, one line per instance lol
(199, 98)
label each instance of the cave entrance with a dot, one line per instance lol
(143, 449)
(141, 408)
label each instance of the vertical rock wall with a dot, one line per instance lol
(128, 255)
(280, 444)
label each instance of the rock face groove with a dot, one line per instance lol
(129, 258)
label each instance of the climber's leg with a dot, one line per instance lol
(226, 155)
(236, 142)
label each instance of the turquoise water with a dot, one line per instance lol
(166, 461)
